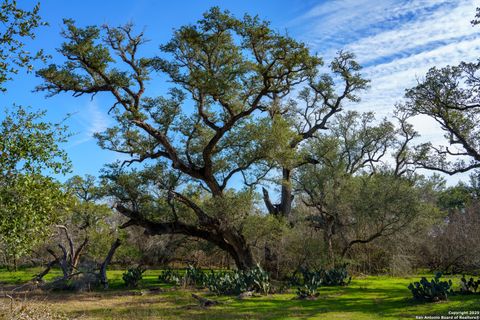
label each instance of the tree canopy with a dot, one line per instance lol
(29, 200)
(17, 25)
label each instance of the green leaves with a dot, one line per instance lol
(30, 145)
(17, 25)
(28, 205)
(29, 201)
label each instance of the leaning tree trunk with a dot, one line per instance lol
(280, 210)
(103, 267)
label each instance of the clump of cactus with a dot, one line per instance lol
(431, 291)
(170, 276)
(470, 286)
(237, 282)
(221, 282)
(132, 276)
(311, 280)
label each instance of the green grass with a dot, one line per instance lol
(23, 275)
(373, 297)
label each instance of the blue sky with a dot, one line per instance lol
(396, 41)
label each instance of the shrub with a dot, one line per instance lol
(132, 276)
(431, 291)
(470, 286)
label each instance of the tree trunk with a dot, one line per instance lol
(284, 208)
(327, 237)
(286, 197)
(106, 262)
(39, 277)
(235, 244)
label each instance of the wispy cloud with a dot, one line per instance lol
(90, 120)
(397, 41)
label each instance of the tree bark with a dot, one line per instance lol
(106, 262)
(39, 277)
(271, 261)
(286, 196)
(284, 208)
(328, 233)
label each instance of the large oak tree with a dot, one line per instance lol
(225, 74)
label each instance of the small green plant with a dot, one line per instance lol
(132, 276)
(470, 286)
(431, 291)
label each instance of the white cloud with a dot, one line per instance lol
(90, 120)
(397, 41)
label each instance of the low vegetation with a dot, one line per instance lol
(431, 291)
(366, 297)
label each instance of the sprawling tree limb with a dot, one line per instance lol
(226, 238)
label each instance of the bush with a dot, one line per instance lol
(132, 276)
(470, 286)
(431, 291)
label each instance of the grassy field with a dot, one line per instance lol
(373, 297)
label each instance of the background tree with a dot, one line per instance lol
(17, 25)
(449, 244)
(29, 200)
(86, 239)
(307, 116)
(450, 96)
(349, 192)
